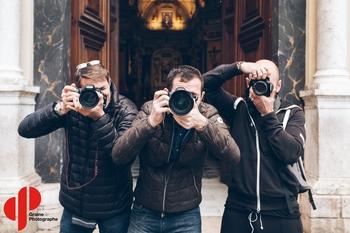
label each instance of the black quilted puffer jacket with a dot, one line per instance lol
(171, 187)
(92, 186)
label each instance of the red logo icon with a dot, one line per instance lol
(22, 208)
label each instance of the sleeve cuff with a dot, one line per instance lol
(231, 70)
(148, 125)
(207, 131)
(270, 121)
(55, 115)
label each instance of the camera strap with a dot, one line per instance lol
(68, 165)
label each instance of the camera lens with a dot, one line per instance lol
(181, 102)
(88, 98)
(260, 88)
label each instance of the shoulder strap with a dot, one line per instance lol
(286, 118)
(300, 162)
(289, 107)
(237, 101)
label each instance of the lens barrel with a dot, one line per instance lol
(181, 102)
(261, 87)
(88, 97)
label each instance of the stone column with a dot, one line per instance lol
(327, 109)
(16, 100)
(10, 28)
(332, 46)
(52, 20)
(288, 46)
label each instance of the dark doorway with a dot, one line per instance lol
(158, 35)
(139, 41)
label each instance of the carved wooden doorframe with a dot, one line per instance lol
(92, 34)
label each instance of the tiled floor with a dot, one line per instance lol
(211, 224)
(212, 207)
(214, 195)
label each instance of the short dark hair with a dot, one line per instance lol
(186, 73)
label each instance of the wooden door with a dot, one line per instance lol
(94, 34)
(246, 35)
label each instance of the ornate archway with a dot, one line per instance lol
(163, 60)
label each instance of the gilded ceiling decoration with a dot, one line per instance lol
(167, 14)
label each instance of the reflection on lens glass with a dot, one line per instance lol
(181, 102)
(88, 99)
(260, 88)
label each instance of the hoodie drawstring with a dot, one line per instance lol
(251, 221)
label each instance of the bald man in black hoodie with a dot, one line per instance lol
(262, 194)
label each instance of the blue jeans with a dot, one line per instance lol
(143, 220)
(118, 223)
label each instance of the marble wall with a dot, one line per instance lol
(51, 70)
(288, 46)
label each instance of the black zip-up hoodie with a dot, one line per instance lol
(261, 181)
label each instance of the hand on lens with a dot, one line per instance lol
(160, 106)
(263, 104)
(194, 119)
(93, 113)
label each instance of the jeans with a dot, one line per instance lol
(116, 224)
(143, 220)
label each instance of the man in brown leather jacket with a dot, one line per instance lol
(172, 152)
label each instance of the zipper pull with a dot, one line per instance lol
(162, 215)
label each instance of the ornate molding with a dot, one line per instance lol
(251, 30)
(92, 29)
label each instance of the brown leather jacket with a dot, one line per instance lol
(170, 187)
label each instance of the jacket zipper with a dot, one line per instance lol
(258, 201)
(171, 143)
(194, 182)
(167, 174)
(166, 181)
(258, 205)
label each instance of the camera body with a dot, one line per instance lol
(181, 101)
(88, 96)
(261, 86)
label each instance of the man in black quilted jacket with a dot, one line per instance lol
(94, 190)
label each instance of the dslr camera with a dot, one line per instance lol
(181, 101)
(88, 96)
(261, 86)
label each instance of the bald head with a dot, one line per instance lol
(272, 69)
(273, 73)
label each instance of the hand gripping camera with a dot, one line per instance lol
(88, 96)
(261, 86)
(181, 101)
